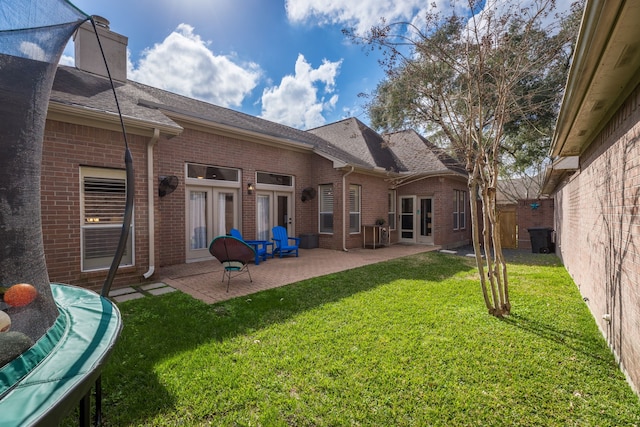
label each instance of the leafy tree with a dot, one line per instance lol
(482, 84)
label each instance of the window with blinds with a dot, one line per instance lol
(354, 208)
(326, 208)
(102, 205)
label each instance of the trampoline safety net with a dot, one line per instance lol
(33, 35)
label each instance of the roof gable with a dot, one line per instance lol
(420, 155)
(357, 139)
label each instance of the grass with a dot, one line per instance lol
(406, 342)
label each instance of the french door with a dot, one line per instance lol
(273, 208)
(210, 212)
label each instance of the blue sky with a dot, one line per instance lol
(283, 60)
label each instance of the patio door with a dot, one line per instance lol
(407, 219)
(210, 212)
(273, 208)
(425, 214)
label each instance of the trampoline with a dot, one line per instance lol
(54, 338)
(43, 384)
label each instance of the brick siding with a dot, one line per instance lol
(598, 232)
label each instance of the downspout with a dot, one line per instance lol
(344, 206)
(150, 203)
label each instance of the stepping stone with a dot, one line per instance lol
(161, 291)
(122, 291)
(128, 297)
(150, 286)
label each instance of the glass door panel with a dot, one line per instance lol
(198, 220)
(225, 213)
(283, 209)
(407, 218)
(426, 221)
(263, 216)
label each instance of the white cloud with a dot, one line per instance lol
(361, 15)
(364, 14)
(67, 60)
(295, 101)
(184, 64)
(32, 51)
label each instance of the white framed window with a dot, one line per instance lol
(392, 210)
(354, 209)
(212, 173)
(459, 210)
(102, 204)
(266, 179)
(325, 208)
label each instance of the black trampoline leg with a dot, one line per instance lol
(98, 415)
(85, 410)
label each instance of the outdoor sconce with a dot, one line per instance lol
(250, 188)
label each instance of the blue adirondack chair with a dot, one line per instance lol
(234, 255)
(260, 246)
(284, 245)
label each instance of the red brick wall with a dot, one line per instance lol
(66, 148)
(529, 216)
(217, 150)
(598, 232)
(441, 189)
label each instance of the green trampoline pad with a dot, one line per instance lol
(44, 383)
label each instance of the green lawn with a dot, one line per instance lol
(406, 342)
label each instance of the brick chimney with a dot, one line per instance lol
(87, 51)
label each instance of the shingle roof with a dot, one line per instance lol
(81, 89)
(421, 156)
(349, 141)
(146, 103)
(354, 137)
(404, 151)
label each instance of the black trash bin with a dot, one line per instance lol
(541, 240)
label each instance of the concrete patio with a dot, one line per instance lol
(203, 280)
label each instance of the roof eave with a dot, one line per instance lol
(82, 115)
(602, 75)
(213, 127)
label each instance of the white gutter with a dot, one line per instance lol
(344, 205)
(150, 204)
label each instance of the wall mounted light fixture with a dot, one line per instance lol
(250, 188)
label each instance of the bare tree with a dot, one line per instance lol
(469, 80)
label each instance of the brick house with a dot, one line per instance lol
(595, 176)
(201, 169)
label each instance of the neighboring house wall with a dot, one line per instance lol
(532, 213)
(598, 232)
(66, 148)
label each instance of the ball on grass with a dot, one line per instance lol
(20, 295)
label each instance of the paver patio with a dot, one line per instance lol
(202, 280)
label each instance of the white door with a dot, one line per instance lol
(407, 219)
(210, 212)
(273, 208)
